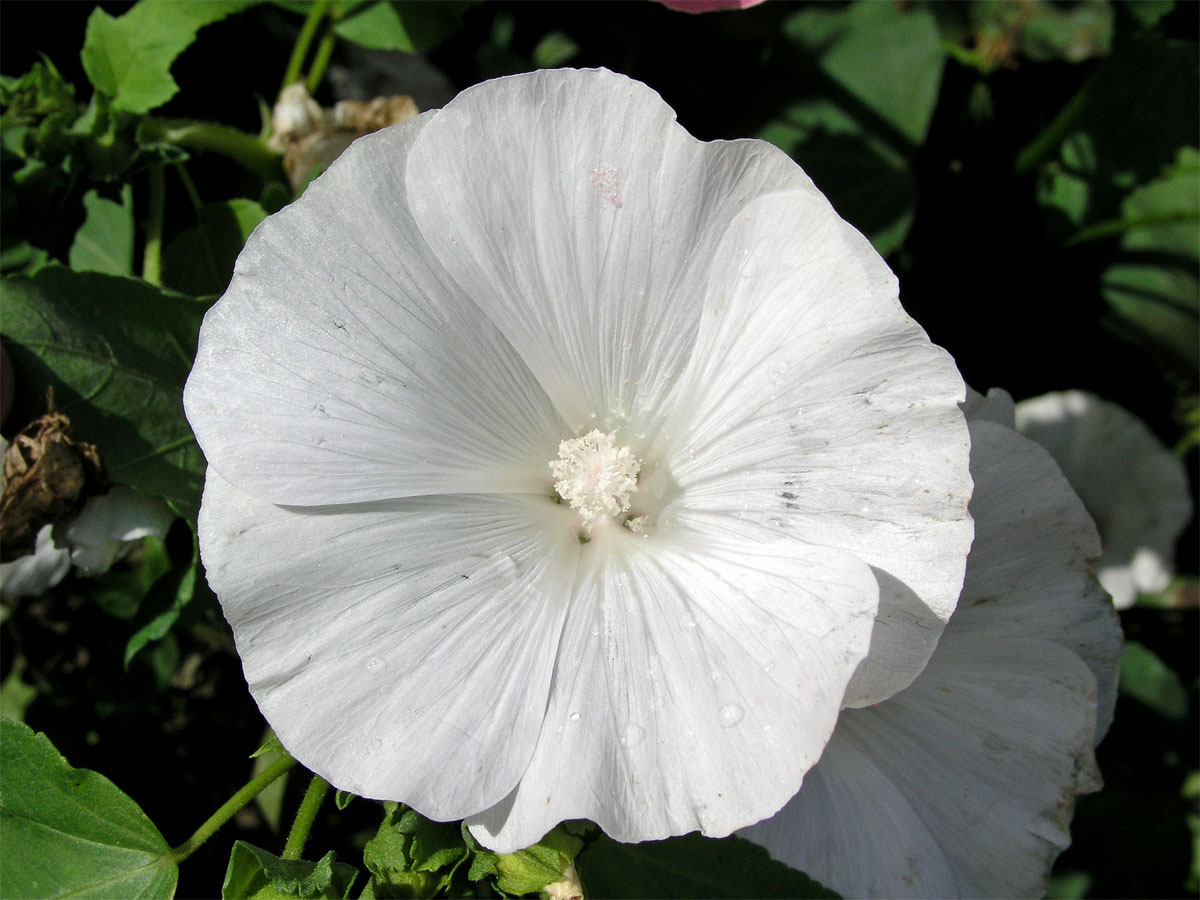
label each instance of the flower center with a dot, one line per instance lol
(595, 476)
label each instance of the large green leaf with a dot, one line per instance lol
(129, 57)
(408, 27)
(690, 866)
(117, 351)
(104, 243)
(860, 114)
(200, 260)
(885, 57)
(70, 832)
(1153, 287)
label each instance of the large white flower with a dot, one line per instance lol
(963, 785)
(564, 466)
(1133, 486)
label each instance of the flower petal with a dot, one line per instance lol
(419, 671)
(696, 683)
(1031, 560)
(35, 573)
(963, 784)
(814, 407)
(1134, 486)
(582, 219)
(343, 365)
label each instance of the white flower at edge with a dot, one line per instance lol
(35, 573)
(963, 784)
(108, 527)
(550, 282)
(1133, 486)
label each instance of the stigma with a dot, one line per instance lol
(595, 476)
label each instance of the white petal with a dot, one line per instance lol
(35, 573)
(814, 407)
(963, 784)
(996, 407)
(582, 219)
(102, 530)
(696, 683)
(343, 365)
(1029, 573)
(1133, 486)
(402, 650)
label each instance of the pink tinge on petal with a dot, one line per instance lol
(703, 6)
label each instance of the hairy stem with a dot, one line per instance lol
(305, 816)
(230, 808)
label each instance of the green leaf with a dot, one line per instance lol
(1153, 287)
(257, 874)
(270, 799)
(162, 607)
(553, 50)
(901, 85)
(15, 694)
(121, 590)
(378, 27)
(1146, 87)
(200, 261)
(104, 243)
(1147, 679)
(70, 832)
(1148, 12)
(1040, 30)
(690, 866)
(39, 108)
(411, 27)
(129, 57)
(411, 856)
(117, 351)
(861, 114)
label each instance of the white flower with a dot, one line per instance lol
(108, 527)
(551, 270)
(35, 573)
(1133, 486)
(963, 785)
(112, 525)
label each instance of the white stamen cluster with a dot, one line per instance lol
(595, 476)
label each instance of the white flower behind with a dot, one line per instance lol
(963, 785)
(1133, 486)
(564, 466)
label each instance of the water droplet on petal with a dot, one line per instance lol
(730, 714)
(574, 717)
(633, 735)
(376, 665)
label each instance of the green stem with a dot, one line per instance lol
(1112, 227)
(321, 61)
(152, 253)
(1048, 141)
(230, 808)
(305, 816)
(189, 186)
(307, 32)
(246, 149)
